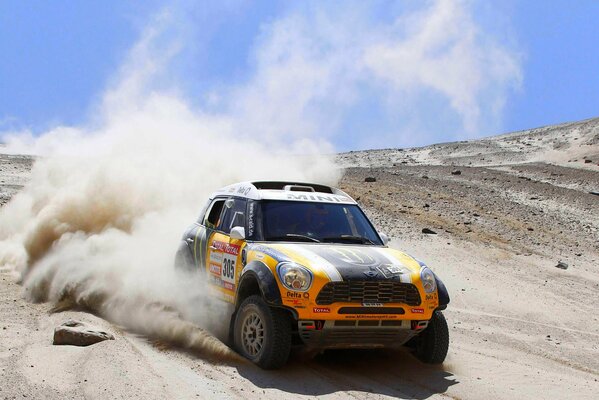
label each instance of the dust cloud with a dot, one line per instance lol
(99, 221)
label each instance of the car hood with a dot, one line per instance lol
(346, 262)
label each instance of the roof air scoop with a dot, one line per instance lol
(298, 188)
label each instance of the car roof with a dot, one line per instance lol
(281, 190)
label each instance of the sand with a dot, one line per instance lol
(519, 326)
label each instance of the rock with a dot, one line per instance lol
(594, 193)
(456, 172)
(424, 177)
(77, 333)
(428, 231)
(370, 179)
(562, 265)
(587, 161)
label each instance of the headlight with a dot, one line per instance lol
(294, 276)
(428, 280)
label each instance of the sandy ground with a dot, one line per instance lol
(520, 328)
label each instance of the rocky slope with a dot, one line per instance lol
(505, 210)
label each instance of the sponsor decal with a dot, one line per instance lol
(370, 316)
(430, 297)
(321, 310)
(216, 257)
(297, 295)
(215, 269)
(220, 283)
(226, 247)
(329, 199)
(405, 274)
(251, 215)
(418, 310)
(244, 190)
(392, 271)
(372, 304)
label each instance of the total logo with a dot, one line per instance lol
(321, 310)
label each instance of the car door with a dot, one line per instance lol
(198, 235)
(223, 258)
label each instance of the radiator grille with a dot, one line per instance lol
(369, 292)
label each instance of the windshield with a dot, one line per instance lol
(315, 222)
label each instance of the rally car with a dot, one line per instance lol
(301, 264)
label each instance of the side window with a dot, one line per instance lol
(203, 212)
(233, 215)
(212, 217)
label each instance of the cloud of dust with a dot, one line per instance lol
(99, 221)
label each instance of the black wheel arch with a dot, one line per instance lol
(257, 274)
(442, 292)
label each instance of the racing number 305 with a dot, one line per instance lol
(228, 271)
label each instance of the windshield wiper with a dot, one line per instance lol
(294, 236)
(358, 239)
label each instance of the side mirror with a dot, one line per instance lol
(238, 233)
(384, 238)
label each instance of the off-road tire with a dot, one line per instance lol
(277, 333)
(432, 344)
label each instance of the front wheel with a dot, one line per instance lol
(432, 344)
(262, 334)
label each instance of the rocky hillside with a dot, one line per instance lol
(534, 191)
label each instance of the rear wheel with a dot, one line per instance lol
(262, 334)
(433, 343)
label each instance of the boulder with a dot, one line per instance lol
(77, 333)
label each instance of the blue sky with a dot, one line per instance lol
(358, 74)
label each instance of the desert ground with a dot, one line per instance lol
(504, 211)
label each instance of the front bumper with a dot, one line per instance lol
(323, 334)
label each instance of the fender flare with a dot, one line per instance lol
(184, 256)
(442, 292)
(266, 281)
